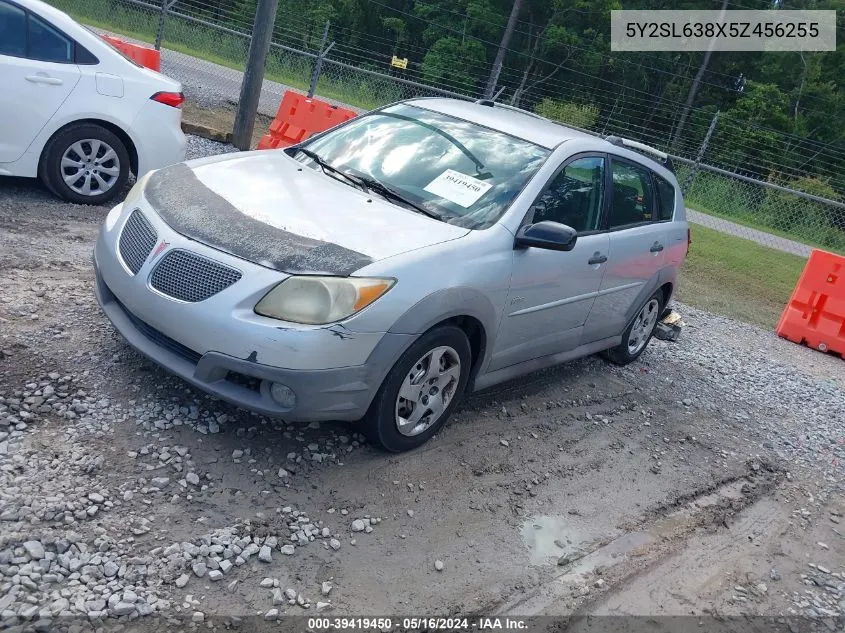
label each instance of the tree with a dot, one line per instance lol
(450, 64)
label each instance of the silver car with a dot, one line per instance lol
(380, 270)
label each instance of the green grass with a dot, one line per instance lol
(738, 278)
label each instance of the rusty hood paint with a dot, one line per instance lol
(269, 209)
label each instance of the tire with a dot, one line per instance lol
(636, 338)
(96, 154)
(414, 368)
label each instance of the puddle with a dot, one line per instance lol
(550, 537)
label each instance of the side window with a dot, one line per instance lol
(12, 31)
(633, 199)
(46, 44)
(84, 56)
(666, 195)
(574, 196)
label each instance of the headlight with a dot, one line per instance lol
(320, 300)
(138, 190)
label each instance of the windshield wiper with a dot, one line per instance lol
(388, 192)
(327, 167)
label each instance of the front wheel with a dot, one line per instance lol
(421, 390)
(639, 332)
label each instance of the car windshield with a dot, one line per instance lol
(458, 171)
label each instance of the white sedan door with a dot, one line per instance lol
(37, 75)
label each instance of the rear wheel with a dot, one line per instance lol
(85, 163)
(639, 332)
(421, 391)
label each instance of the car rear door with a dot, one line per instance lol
(638, 240)
(37, 75)
(551, 292)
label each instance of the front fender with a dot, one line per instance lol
(446, 304)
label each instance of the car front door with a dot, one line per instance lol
(551, 292)
(637, 248)
(37, 74)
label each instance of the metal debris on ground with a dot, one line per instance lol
(669, 327)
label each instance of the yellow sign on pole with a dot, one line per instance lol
(399, 63)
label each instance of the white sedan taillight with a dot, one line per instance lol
(172, 99)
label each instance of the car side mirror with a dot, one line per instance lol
(551, 236)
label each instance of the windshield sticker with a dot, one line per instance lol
(458, 188)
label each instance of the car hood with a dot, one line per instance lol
(269, 209)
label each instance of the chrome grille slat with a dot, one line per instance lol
(136, 241)
(190, 277)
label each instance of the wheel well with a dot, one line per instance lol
(667, 292)
(111, 127)
(476, 334)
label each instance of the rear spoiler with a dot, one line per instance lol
(663, 157)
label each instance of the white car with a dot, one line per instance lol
(75, 112)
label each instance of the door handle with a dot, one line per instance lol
(44, 79)
(597, 258)
(656, 247)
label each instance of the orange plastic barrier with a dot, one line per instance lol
(298, 118)
(815, 314)
(144, 55)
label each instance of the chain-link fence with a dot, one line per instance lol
(777, 190)
(766, 213)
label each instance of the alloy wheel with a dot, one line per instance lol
(643, 326)
(90, 167)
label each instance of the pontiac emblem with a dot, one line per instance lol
(161, 246)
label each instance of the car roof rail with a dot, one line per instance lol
(490, 103)
(664, 158)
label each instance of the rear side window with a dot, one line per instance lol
(633, 198)
(46, 44)
(666, 197)
(84, 56)
(12, 31)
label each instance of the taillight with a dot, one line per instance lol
(172, 99)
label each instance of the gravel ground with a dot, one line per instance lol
(127, 496)
(199, 147)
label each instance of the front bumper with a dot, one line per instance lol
(227, 351)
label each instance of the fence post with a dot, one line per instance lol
(318, 62)
(162, 17)
(698, 158)
(259, 46)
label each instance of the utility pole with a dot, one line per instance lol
(259, 46)
(503, 49)
(700, 156)
(696, 83)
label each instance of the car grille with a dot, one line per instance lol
(162, 340)
(190, 277)
(136, 241)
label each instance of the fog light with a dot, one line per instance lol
(283, 395)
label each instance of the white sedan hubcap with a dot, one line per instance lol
(90, 167)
